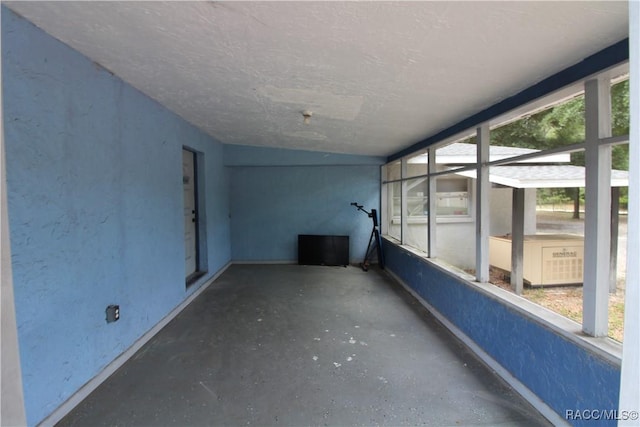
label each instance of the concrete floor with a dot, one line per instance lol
(303, 345)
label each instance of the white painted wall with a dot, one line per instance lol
(500, 201)
(457, 243)
(456, 240)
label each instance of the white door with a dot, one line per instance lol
(190, 225)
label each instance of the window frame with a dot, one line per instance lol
(600, 142)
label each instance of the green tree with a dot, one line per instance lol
(620, 109)
(564, 124)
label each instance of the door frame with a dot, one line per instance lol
(200, 229)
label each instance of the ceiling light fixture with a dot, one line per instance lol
(306, 114)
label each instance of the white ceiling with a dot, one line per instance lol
(377, 76)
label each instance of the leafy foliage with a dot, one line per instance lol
(564, 124)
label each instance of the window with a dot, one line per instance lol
(393, 217)
(417, 200)
(452, 197)
(518, 163)
(417, 213)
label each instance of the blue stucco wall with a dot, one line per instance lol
(304, 193)
(561, 373)
(94, 179)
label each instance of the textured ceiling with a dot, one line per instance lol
(377, 76)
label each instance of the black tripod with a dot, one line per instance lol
(375, 243)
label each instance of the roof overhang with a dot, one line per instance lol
(547, 176)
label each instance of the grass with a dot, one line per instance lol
(616, 320)
(567, 301)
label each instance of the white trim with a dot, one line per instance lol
(439, 219)
(432, 191)
(597, 219)
(404, 203)
(456, 219)
(483, 187)
(84, 391)
(518, 386)
(384, 201)
(630, 372)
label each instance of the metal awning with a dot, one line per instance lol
(460, 153)
(545, 176)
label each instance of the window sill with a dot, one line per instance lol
(439, 220)
(453, 219)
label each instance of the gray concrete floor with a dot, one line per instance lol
(293, 345)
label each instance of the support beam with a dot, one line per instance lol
(597, 224)
(432, 190)
(613, 253)
(517, 240)
(404, 189)
(384, 202)
(630, 374)
(482, 204)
